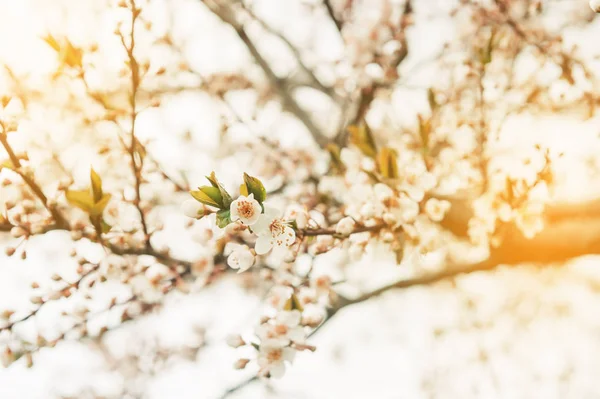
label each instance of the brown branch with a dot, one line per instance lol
(68, 286)
(332, 232)
(314, 81)
(56, 215)
(133, 144)
(280, 85)
(338, 22)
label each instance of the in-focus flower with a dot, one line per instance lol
(345, 226)
(436, 209)
(192, 208)
(241, 258)
(273, 232)
(271, 358)
(245, 209)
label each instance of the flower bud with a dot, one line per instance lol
(17, 232)
(345, 226)
(241, 364)
(235, 341)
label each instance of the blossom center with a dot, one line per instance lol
(281, 329)
(245, 209)
(276, 227)
(275, 355)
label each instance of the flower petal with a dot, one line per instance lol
(262, 225)
(263, 244)
(288, 236)
(289, 319)
(289, 354)
(277, 370)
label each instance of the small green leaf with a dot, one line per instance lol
(387, 163)
(82, 199)
(96, 183)
(336, 160)
(293, 304)
(6, 164)
(51, 41)
(210, 196)
(223, 218)
(99, 206)
(243, 190)
(362, 138)
(424, 132)
(105, 226)
(255, 186)
(431, 99)
(226, 198)
(213, 179)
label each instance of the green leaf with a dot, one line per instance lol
(213, 179)
(99, 206)
(71, 55)
(243, 190)
(293, 304)
(362, 138)
(255, 186)
(82, 199)
(424, 131)
(51, 41)
(223, 218)
(96, 183)
(431, 99)
(226, 198)
(387, 163)
(105, 226)
(210, 196)
(6, 164)
(336, 160)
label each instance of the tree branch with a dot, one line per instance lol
(280, 85)
(338, 23)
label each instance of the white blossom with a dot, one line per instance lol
(279, 295)
(235, 341)
(192, 208)
(284, 328)
(595, 5)
(273, 232)
(271, 358)
(240, 364)
(345, 226)
(241, 258)
(245, 209)
(298, 214)
(383, 191)
(436, 209)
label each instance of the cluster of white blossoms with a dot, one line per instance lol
(248, 219)
(280, 336)
(515, 196)
(372, 199)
